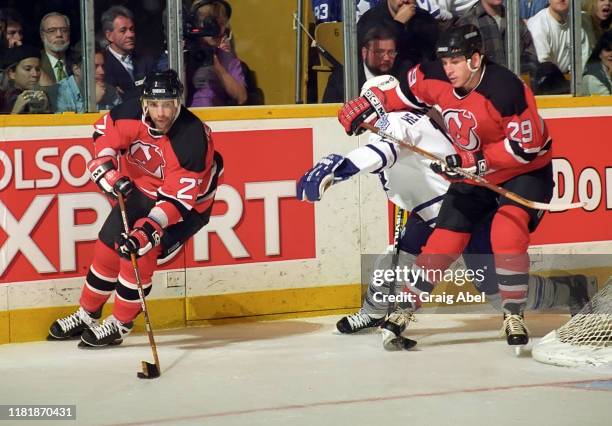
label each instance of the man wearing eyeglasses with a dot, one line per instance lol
(417, 29)
(55, 35)
(378, 54)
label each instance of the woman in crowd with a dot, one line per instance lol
(20, 91)
(600, 12)
(598, 70)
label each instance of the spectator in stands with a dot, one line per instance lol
(377, 58)
(551, 35)
(598, 70)
(55, 35)
(215, 76)
(417, 29)
(600, 12)
(549, 80)
(13, 29)
(124, 68)
(70, 91)
(19, 87)
(331, 10)
(489, 16)
(528, 8)
(453, 9)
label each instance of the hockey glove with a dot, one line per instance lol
(472, 162)
(331, 169)
(364, 109)
(146, 234)
(103, 171)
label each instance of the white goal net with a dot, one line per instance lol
(585, 340)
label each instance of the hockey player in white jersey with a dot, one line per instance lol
(411, 185)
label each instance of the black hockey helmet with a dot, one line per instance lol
(459, 41)
(162, 85)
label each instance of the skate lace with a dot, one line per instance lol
(514, 324)
(108, 327)
(74, 320)
(359, 320)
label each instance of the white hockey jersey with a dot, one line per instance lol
(405, 175)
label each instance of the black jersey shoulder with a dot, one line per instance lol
(131, 109)
(433, 70)
(503, 89)
(189, 141)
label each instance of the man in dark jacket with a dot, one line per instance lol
(124, 69)
(417, 29)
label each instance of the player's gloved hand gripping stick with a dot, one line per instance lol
(476, 178)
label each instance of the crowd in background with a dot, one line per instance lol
(43, 73)
(394, 35)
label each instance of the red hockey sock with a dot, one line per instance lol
(101, 279)
(510, 240)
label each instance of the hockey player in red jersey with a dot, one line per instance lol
(161, 158)
(493, 121)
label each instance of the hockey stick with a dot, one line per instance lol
(478, 179)
(149, 371)
(391, 341)
(399, 219)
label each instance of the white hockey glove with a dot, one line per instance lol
(330, 170)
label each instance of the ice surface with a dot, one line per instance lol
(301, 372)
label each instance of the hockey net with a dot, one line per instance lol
(585, 340)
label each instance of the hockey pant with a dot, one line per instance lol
(464, 207)
(110, 272)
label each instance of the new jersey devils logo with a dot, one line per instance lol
(148, 157)
(461, 126)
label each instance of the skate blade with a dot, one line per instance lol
(518, 350)
(83, 345)
(52, 338)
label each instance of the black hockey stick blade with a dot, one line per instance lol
(407, 343)
(149, 371)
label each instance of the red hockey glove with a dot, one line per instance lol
(364, 109)
(473, 162)
(146, 234)
(103, 171)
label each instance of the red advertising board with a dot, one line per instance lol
(583, 169)
(50, 212)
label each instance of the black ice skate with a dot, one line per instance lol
(73, 325)
(111, 332)
(515, 331)
(393, 328)
(357, 322)
(581, 289)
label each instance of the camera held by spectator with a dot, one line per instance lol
(200, 53)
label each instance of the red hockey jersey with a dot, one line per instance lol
(499, 117)
(180, 169)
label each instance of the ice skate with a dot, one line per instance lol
(73, 325)
(357, 322)
(110, 333)
(515, 331)
(392, 329)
